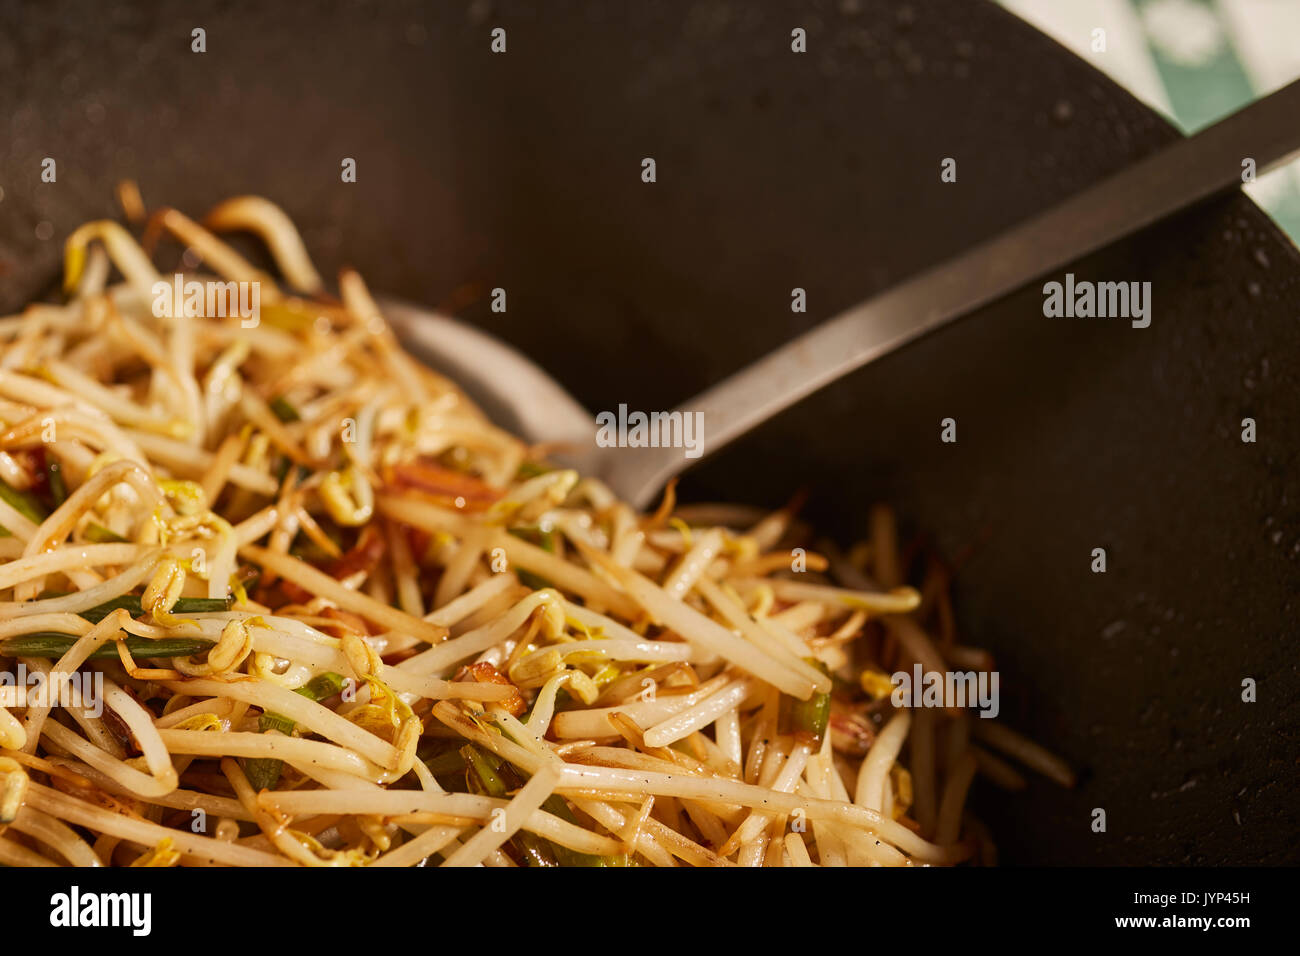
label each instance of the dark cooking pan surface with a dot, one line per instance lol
(775, 171)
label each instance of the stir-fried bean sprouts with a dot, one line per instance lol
(270, 570)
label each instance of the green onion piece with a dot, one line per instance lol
(445, 764)
(101, 535)
(23, 502)
(283, 410)
(322, 686)
(53, 645)
(484, 774)
(806, 719)
(132, 604)
(264, 772)
(54, 480)
(193, 605)
(485, 770)
(497, 778)
(530, 580)
(273, 721)
(530, 469)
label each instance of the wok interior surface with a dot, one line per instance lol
(775, 171)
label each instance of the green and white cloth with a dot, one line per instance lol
(1195, 61)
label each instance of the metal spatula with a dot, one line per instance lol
(521, 397)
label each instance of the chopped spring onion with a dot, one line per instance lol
(283, 410)
(133, 607)
(806, 719)
(24, 502)
(490, 775)
(54, 481)
(264, 772)
(100, 535)
(484, 775)
(53, 645)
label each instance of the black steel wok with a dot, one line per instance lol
(777, 170)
